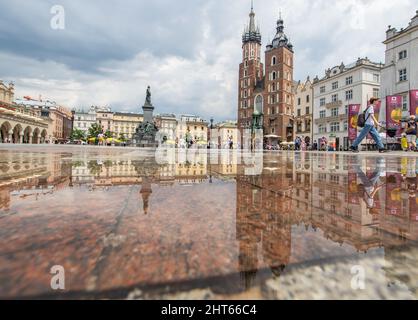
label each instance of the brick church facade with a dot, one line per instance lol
(265, 91)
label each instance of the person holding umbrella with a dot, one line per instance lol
(370, 126)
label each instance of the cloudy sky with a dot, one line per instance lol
(187, 50)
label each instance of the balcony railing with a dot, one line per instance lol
(340, 117)
(335, 104)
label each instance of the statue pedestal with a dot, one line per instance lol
(147, 144)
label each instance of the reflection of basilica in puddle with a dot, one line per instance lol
(210, 216)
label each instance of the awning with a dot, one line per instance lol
(272, 136)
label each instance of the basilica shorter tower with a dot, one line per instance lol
(265, 92)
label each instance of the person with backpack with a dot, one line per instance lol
(368, 122)
(411, 133)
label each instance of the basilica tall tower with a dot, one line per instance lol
(265, 94)
(250, 72)
(278, 94)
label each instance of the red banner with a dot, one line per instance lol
(353, 112)
(413, 102)
(393, 194)
(413, 208)
(394, 113)
(353, 196)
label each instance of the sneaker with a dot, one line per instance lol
(383, 151)
(355, 150)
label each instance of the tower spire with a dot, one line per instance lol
(252, 18)
(252, 33)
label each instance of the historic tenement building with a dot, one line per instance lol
(18, 123)
(400, 73)
(303, 106)
(266, 91)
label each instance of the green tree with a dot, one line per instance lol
(78, 134)
(122, 137)
(108, 134)
(95, 130)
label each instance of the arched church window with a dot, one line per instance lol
(259, 104)
(273, 61)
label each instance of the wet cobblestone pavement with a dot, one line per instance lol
(135, 224)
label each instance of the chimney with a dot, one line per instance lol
(414, 21)
(390, 32)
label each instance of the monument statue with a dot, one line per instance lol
(148, 99)
(147, 130)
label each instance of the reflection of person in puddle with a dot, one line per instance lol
(369, 187)
(411, 177)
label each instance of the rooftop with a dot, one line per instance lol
(392, 33)
(338, 70)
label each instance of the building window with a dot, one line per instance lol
(376, 77)
(349, 80)
(322, 89)
(335, 127)
(245, 73)
(308, 98)
(299, 113)
(346, 110)
(322, 114)
(345, 125)
(334, 85)
(334, 112)
(299, 102)
(376, 93)
(334, 98)
(308, 110)
(322, 128)
(273, 61)
(349, 95)
(405, 103)
(402, 75)
(403, 55)
(322, 102)
(273, 76)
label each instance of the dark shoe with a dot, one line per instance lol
(383, 151)
(355, 150)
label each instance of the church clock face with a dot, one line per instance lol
(259, 104)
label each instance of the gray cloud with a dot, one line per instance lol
(188, 50)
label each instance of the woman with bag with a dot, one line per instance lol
(370, 124)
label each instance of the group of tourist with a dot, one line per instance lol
(409, 136)
(409, 140)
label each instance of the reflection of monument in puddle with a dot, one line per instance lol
(146, 191)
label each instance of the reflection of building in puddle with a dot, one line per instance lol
(321, 192)
(32, 175)
(264, 210)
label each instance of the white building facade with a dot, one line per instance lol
(83, 120)
(400, 73)
(342, 86)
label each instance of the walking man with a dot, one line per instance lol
(370, 127)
